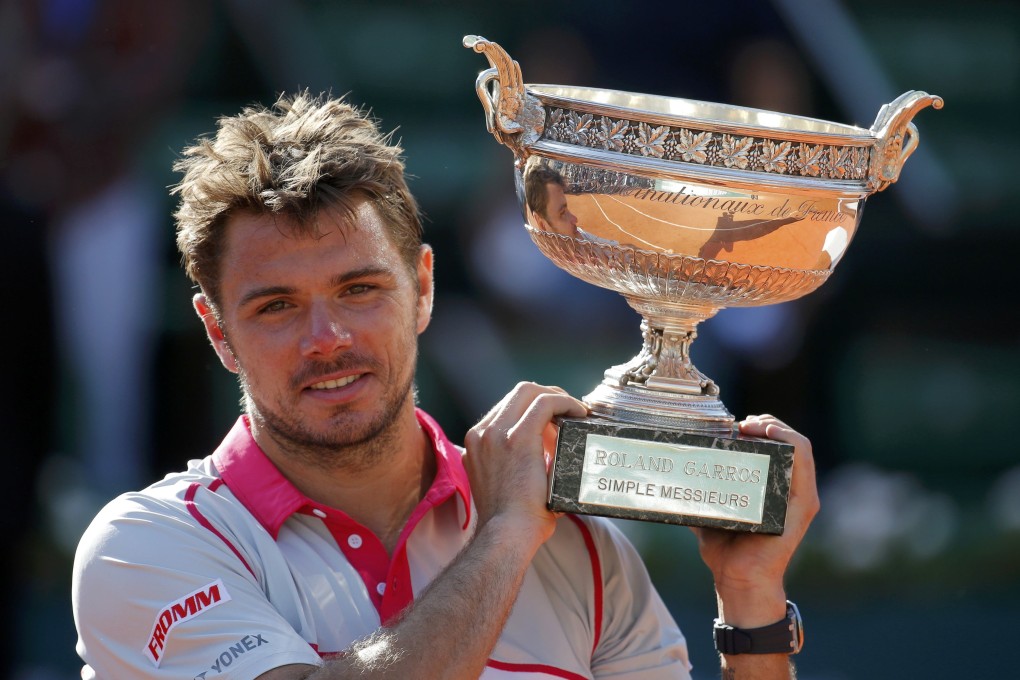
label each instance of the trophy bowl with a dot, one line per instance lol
(683, 207)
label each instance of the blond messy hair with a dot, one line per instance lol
(304, 154)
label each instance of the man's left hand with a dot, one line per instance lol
(749, 568)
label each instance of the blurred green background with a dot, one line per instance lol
(903, 369)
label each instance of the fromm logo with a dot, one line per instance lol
(183, 609)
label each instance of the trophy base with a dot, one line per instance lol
(656, 408)
(656, 475)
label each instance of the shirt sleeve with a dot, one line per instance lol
(639, 638)
(156, 594)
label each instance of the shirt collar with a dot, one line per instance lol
(259, 485)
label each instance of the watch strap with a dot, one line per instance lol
(785, 636)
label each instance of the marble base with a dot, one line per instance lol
(616, 470)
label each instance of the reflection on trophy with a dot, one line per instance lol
(683, 207)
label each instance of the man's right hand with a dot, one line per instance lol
(506, 458)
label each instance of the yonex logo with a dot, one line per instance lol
(183, 609)
(223, 661)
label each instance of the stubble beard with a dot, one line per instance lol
(344, 444)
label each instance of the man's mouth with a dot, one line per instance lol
(333, 384)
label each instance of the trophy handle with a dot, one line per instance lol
(896, 136)
(515, 118)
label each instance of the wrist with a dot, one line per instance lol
(751, 607)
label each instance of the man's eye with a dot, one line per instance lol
(274, 306)
(359, 289)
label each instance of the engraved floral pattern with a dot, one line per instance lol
(773, 155)
(858, 162)
(692, 146)
(756, 154)
(651, 141)
(839, 162)
(812, 158)
(554, 125)
(578, 128)
(734, 150)
(611, 134)
(630, 140)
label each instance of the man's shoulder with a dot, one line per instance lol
(167, 493)
(178, 504)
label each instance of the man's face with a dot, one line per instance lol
(558, 218)
(322, 331)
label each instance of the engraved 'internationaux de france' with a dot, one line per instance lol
(690, 480)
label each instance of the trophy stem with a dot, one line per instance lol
(661, 386)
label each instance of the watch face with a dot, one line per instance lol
(793, 615)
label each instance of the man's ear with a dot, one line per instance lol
(538, 221)
(212, 329)
(425, 287)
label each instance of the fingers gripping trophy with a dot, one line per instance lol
(684, 208)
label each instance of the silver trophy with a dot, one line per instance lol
(683, 207)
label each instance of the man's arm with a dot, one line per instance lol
(472, 598)
(749, 568)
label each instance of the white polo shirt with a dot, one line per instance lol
(228, 571)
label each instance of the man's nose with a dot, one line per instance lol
(326, 331)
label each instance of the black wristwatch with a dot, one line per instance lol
(782, 637)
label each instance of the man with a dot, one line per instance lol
(545, 194)
(336, 532)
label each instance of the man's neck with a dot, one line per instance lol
(380, 496)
